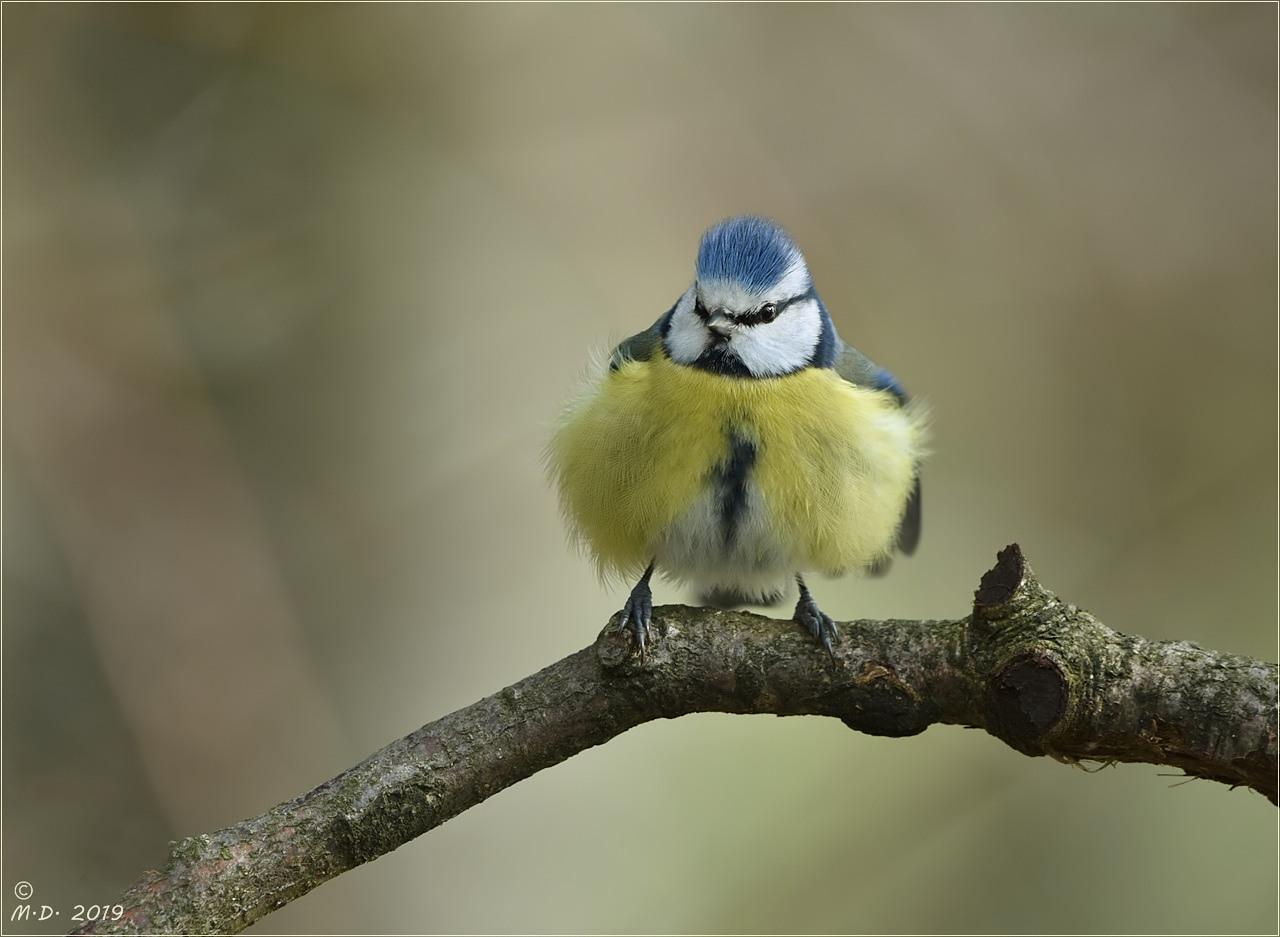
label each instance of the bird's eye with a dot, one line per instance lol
(700, 311)
(768, 312)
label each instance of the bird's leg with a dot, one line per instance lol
(817, 621)
(638, 611)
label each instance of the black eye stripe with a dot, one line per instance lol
(767, 312)
(762, 314)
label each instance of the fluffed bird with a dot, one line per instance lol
(738, 442)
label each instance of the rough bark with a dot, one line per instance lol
(1032, 670)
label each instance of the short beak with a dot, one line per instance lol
(720, 325)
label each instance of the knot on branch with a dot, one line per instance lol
(1029, 696)
(614, 647)
(880, 703)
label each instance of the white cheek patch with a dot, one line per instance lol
(784, 345)
(686, 337)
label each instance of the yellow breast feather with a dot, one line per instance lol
(835, 462)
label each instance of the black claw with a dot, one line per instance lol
(638, 612)
(815, 619)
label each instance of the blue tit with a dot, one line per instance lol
(738, 442)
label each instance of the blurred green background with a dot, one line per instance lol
(292, 295)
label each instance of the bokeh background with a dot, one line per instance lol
(292, 295)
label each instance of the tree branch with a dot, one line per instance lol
(1032, 670)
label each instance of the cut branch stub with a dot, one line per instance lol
(1001, 582)
(1029, 696)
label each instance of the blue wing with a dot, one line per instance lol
(640, 347)
(857, 368)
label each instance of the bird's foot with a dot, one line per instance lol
(638, 612)
(815, 619)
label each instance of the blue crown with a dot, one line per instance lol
(750, 251)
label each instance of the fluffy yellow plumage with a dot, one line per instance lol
(835, 463)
